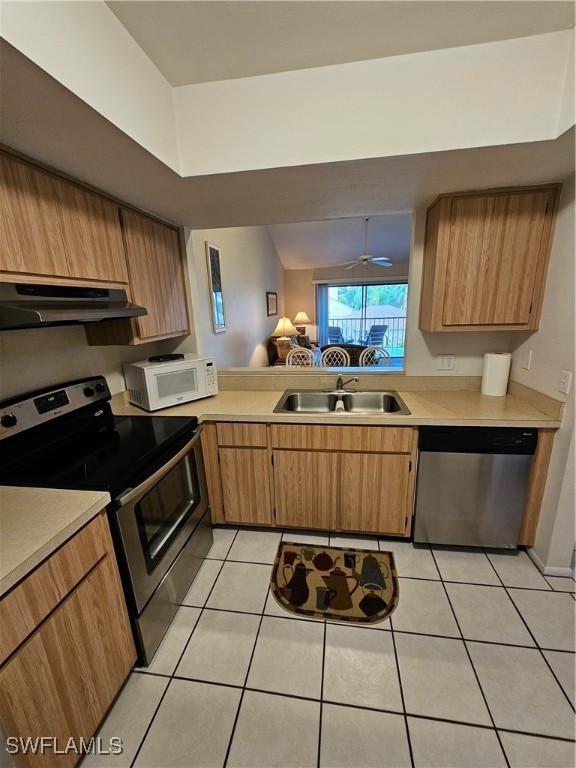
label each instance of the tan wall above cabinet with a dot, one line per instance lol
(485, 259)
(54, 230)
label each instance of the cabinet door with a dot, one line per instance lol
(64, 678)
(495, 243)
(306, 489)
(91, 232)
(245, 481)
(30, 236)
(156, 276)
(374, 492)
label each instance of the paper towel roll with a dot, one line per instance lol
(495, 374)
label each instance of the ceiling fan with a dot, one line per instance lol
(365, 258)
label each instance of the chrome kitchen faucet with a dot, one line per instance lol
(340, 384)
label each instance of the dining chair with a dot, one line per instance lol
(374, 356)
(335, 356)
(300, 357)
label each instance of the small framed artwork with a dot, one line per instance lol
(271, 303)
(215, 287)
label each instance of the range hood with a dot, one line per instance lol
(24, 305)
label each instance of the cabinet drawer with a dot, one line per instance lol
(251, 435)
(349, 438)
(28, 604)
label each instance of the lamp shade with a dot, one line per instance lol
(302, 319)
(284, 328)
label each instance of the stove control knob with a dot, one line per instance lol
(8, 420)
(100, 387)
(88, 391)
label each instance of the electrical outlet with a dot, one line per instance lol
(445, 362)
(565, 382)
(527, 359)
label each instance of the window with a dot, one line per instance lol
(356, 313)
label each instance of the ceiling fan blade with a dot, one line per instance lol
(345, 263)
(382, 261)
(352, 265)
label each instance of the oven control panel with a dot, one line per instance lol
(21, 413)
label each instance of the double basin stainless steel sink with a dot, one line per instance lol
(340, 401)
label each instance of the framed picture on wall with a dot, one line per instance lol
(271, 303)
(215, 288)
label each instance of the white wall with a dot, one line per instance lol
(553, 350)
(84, 47)
(250, 266)
(472, 96)
(39, 357)
(495, 93)
(300, 296)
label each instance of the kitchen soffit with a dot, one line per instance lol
(193, 42)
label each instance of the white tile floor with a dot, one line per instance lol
(475, 668)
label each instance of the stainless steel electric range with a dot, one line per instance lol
(66, 436)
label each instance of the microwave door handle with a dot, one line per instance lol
(133, 493)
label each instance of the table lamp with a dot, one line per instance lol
(284, 329)
(300, 322)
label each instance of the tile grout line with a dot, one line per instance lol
(541, 651)
(243, 691)
(143, 739)
(532, 635)
(321, 696)
(404, 712)
(403, 700)
(484, 698)
(172, 676)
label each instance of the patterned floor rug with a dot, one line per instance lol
(337, 583)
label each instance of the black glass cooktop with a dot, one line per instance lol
(118, 454)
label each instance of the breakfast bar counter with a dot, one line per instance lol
(427, 407)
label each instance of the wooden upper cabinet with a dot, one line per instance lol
(485, 259)
(55, 229)
(30, 236)
(156, 270)
(91, 232)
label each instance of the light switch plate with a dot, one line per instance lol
(565, 382)
(445, 362)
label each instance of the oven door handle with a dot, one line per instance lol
(132, 493)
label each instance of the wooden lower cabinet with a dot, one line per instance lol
(306, 489)
(245, 480)
(62, 679)
(312, 476)
(375, 493)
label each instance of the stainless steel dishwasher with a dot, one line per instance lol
(472, 484)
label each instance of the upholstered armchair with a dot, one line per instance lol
(278, 348)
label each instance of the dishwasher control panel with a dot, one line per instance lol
(478, 439)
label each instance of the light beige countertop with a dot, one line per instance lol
(34, 522)
(432, 407)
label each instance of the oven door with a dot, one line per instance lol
(155, 520)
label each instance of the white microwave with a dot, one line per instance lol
(154, 384)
